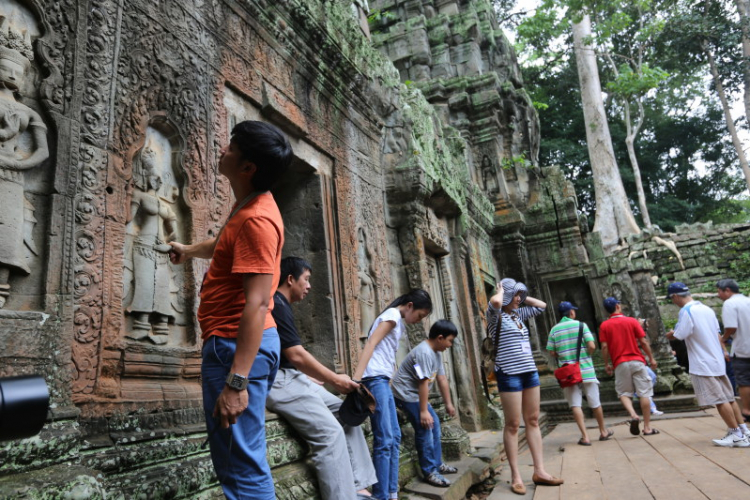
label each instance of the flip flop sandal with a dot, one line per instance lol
(583, 443)
(609, 435)
(436, 479)
(653, 431)
(634, 430)
(447, 469)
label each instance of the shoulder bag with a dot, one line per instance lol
(569, 374)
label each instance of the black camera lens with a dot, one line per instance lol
(23, 406)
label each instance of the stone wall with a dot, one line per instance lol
(701, 254)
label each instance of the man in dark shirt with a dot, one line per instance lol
(339, 452)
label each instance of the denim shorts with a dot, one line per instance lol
(516, 383)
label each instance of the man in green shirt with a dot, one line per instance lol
(562, 344)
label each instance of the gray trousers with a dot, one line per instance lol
(339, 452)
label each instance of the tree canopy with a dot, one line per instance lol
(687, 163)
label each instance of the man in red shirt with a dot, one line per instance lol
(622, 339)
(240, 342)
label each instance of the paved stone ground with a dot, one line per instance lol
(680, 463)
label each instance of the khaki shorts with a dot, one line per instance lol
(710, 391)
(632, 377)
(574, 394)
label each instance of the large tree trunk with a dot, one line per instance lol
(743, 7)
(614, 220)
(630, 143)
(727, 112)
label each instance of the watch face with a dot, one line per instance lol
(236, 381)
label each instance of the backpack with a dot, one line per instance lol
(488, 351)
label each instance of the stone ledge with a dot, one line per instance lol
(35, 316)
(559, 411)
(470, 471)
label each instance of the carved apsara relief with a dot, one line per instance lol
(489, 176)
(23, 146)
(368, 292)
(151, 283)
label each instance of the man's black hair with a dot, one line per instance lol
(443, 327)
(265, 146)
(728, 283)
(294, 267)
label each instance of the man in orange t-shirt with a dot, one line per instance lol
(620, 337)
(240, 343)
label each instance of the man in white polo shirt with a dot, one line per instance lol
(698, 327)
(735, 314)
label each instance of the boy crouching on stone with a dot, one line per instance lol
(411, 388)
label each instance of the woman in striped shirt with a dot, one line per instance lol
(517, 376)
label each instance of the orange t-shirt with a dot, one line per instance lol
(251, 242)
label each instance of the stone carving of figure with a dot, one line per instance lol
(367, 293)
(153, 227)
(489, 176)
(16, 155)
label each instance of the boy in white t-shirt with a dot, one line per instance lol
(411, 389)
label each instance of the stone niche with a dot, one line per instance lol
(305, 198)
(154, 309)
(151, 348)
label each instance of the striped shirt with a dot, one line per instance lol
(513, 344)
(563, 339)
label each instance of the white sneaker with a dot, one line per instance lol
(657, 412)
(730, 440)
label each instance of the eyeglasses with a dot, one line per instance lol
(518, 321)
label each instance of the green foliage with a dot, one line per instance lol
(516, 161)
(740, 262)
(669, 323)
(630, 84)
(378, 15)
(730, 212)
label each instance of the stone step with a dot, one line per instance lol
(558, 410)
(471, 471)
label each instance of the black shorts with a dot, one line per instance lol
(741, 367)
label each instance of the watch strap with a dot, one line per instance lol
(237, 381)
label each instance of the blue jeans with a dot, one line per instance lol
(427, 441)
(239, 453)
(386, 438)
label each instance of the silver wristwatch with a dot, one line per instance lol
(237, 381)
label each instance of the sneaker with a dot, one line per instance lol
(447, 469)
(730, 440)
(657, 412)
(436, 479)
